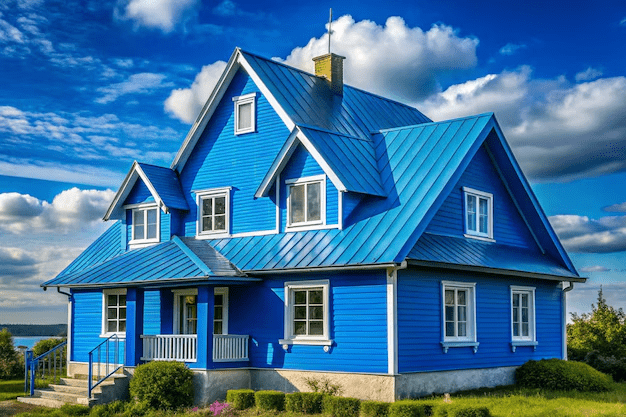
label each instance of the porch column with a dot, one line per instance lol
(134, 326)
(206, 303)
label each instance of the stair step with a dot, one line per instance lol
(73, 389)
(83, 382)
(60, 396)
(43, 402)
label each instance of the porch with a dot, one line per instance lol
(184, 348)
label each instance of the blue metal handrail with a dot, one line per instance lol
(113, 339)
(31, 364)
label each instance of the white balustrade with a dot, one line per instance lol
(184, 347)
(230, 348)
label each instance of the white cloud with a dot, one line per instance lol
(185, 103)
(71, 210)
(595, 268)
(394, 60)
(588, 74)
(143, 83)
(582, 234)
(623, 22)
(163, 15)
(511, 49)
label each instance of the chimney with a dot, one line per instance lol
(330, 66)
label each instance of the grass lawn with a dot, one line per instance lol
(10, 390)
(504, 401)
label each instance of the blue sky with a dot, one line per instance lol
(90, 86)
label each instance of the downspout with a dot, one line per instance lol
(564, 315)
(392, 321)
(69, 328)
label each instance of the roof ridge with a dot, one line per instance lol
(475, 116)
(156, 166)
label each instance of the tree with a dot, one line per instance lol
(603, 331)
(11, 365)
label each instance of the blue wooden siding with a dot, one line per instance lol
(358, 324)
(420, 327)
(139, 194)
(166, 231)
(152, 312)
(302, 164)
(221, 159)
(508, 227)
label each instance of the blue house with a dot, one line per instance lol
(309, 229)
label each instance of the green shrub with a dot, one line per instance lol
(108, 410)
(240, 399)
(270, 400)
(407, 408)
(304, 402)
(323, 385)
(461, 411)
(163, 385)
(556, 374)
(74, 410)
(45, 345)
(341, 406)
(610, 365)
(374, 409)
(11, 362)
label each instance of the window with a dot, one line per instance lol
(478, 213)
(245, 113)
(459, 314)
(306, 313)
(523, 313)
(114, 312)
(306, 201)
(214, 212)
(145, 224)
(186, 311)
(220, 311)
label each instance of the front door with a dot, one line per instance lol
(186, 311)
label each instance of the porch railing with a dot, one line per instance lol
(230, 347)
(110, 349)
(44, 365)
(170, 347)
(184, 348)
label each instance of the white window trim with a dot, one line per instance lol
(475, 234)
(531, 339)
(213, 192)
(223, 291)
(311, 225)
(289, 337)
(471, 339)
(144, 207)
(103, 329)
(238, 101)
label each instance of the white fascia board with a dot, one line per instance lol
(322, 162)
(207, 111)
(277, 166)
(153, 191)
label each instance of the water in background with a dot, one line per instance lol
(28, 341)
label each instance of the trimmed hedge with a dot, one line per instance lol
(240, 399)
(341, 406)
(557, 374)
(461, 411)
(304, 402)
(374, 409)
(270, 400)
(407, 408)
(163, 385)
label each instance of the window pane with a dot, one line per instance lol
(471, 213)
(462, 314)
(462, 329)
(516, 329)
(449, 313)
(207, 224)
(299, 297)
(245, 116)
(461, 298)
(525, 329)
(525, 315)
(220, 205)
(217, 327)
(111, 300)
(516, 315)
(220, 222)
(525, 300)
(138, 231)
(313, 201)
(316, 313)
(450, 329)
(138, 217)
(123, 313)
(299, 328)
(122, 300)
(316, 328)
(152, 216)
(207, 206)
(299, 312)
(315, 297)
(112, 313)
(152, 231)
(218, 299)
(449, 297)
(515, 300)
(217, 312)
(112, 326)
(296, 204)
(122, 325)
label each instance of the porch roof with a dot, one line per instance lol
(164, 263)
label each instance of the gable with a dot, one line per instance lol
(509, 227)
(139, 194)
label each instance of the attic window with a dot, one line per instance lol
(306, 199)
(478, 214)
(145, 224)
(245, 113)
(213, 212)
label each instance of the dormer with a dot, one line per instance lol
(149, 203)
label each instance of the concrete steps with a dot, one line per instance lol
(74, 391)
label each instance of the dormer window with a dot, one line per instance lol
(306, 201)
(213, 212)
(145, 227)
(478, 214)
(245, 113)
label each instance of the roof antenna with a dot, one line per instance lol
(330, 32)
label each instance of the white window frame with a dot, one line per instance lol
(223, 291)
(321, 179)
(470, 339)
(245, 99)
(105, 307)
(531, 339)
(177, 295)
(289, 337)
(476, 234)
(213, 193)
(143, 208)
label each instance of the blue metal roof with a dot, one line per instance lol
(164, 262)
(165, 182)
(472, 252)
